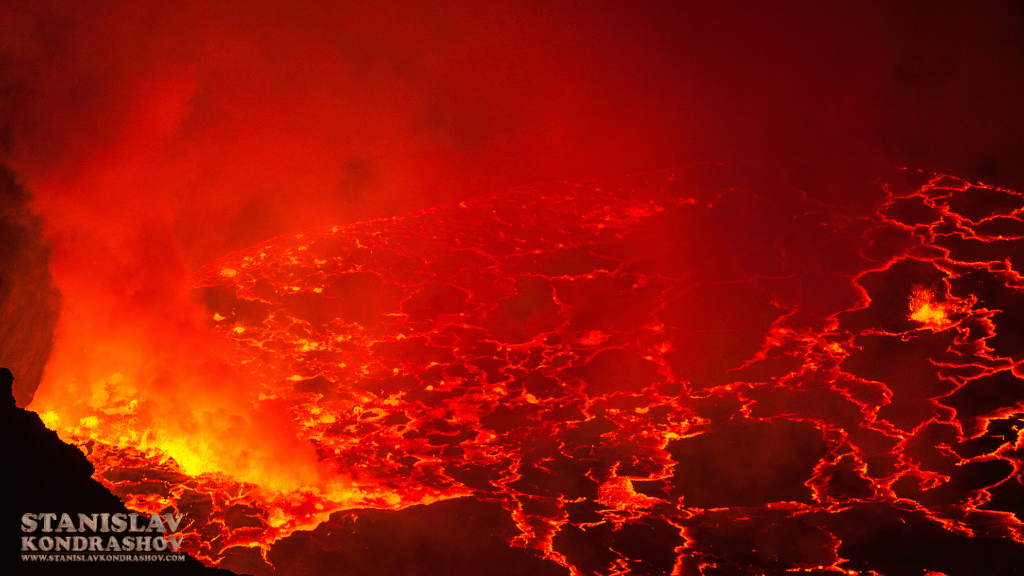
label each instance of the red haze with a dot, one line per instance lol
(157, 136)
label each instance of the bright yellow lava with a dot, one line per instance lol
(924, 309)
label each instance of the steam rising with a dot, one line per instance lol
(156, 137)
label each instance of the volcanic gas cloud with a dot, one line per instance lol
(700, 372)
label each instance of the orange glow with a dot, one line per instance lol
(382, 260)
(935, 314)
(618, 493)
(174, 396)
(924, 309)
(384, 364)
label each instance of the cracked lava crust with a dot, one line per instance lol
(701, 372)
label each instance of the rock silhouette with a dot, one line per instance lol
(44, 475)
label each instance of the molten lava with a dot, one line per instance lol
(708, 372)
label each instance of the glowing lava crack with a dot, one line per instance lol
(707, 372)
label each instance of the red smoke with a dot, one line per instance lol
(158, 136)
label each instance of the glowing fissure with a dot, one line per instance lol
(689, 358)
